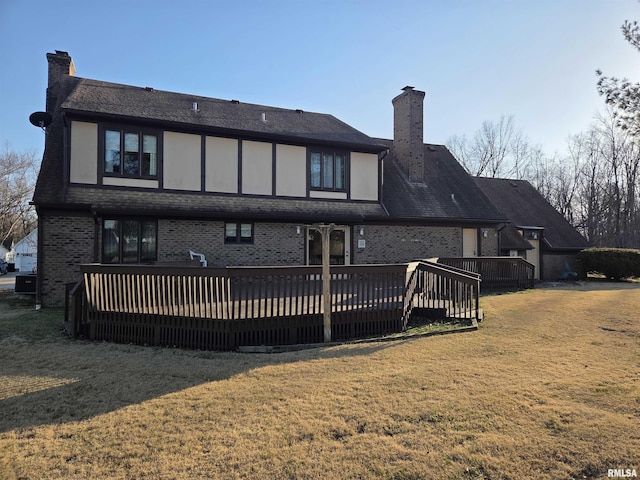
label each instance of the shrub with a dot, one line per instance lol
(615, 263)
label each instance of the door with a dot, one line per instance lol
(339, 246)
(533, 256)
(469, 242)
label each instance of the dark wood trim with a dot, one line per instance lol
(273, 169)
(203, 163)
(97, 237)
(381, 158)
(347, 167)
(124, 129)
(66, 153)
(239, 167)
(100, 156)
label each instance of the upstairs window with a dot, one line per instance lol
(129, 241)
(130, 154)
(328, 170)
(238, 233)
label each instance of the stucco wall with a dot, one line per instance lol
(221, 165)
(257, 168)
(84, 153)
(291, 171)
(182, 161)
(364, 176)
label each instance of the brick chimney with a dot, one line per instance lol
(408, 142)
(60, 64)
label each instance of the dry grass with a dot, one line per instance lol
(547, 388)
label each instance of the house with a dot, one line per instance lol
(139, 175)
(24, 253)
(536, 231)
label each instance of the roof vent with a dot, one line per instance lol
(263, 117)
(235, 101)
(299, 111)
(149, 89)
(194, 107)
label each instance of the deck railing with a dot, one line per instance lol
(223, 308)
(498, 273)
(441, 292)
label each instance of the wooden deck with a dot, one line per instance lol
(225, 308)
(222, 309)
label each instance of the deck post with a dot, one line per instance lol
(325, 232)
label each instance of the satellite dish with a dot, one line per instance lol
(40, 119)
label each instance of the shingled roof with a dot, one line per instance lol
(214, 115)
(446, 192)
(140, 202)
(524, 206)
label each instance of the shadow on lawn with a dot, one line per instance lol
(67, 381)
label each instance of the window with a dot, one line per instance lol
(238, 233)
(328, 170)
(131, 154)
(129, 241)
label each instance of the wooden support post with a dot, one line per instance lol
(325, 232)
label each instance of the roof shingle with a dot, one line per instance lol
(97, 97)
(447, 191)
(523, 205)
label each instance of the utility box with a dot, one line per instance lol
(25, 284)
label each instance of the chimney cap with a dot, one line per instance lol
(407, 88)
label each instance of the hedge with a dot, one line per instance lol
(615, 263)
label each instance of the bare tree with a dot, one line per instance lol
(497, 149)
(17, 180)
(597, 183)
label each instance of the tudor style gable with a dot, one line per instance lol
(111, 155)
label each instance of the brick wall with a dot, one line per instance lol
(274, 243)
(69, 241)
(399, 244)
(489, 244)
(66, 242)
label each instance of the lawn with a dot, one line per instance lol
(547, 388)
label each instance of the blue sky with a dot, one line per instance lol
(476, 59)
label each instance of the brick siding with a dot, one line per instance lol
(69, 241)
(66, 242)
(399, 244)
(274, 243)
